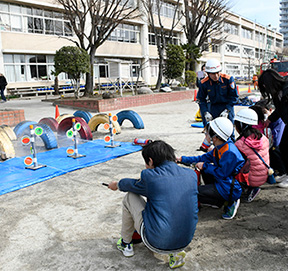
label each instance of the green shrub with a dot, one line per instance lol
(190, 78)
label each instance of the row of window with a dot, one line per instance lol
(27, 68)
(174, 39)
(166, 9)
(126, 33)
(238, 70)
(32, 20)
(246, 33)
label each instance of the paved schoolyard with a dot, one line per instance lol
(72, 222)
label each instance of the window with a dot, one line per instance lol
(25, 19)
(233, 69)
(20, 67)
(247, 52)
(154, 67)
(230, 28)
(232, 49)
(166, 9)
(247, 33)
(174, 39)
(278, 43)
(125, 33)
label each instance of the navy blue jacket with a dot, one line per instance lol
(230, 162)
(170, 215)
(221, 95)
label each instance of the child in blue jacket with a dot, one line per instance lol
(167, 218)
(218, 168)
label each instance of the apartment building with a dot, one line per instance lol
(32, 31)
(284, 20)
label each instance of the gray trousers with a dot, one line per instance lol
(133, 205)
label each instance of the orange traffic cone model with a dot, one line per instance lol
(57, 114)
(249, 89)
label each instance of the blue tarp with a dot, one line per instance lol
(15, 176)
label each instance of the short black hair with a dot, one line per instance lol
(159, 151)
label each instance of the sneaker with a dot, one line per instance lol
(284, 183)
(127, 249)
(253, 193)
(280, 178)
(176, 259)
(231, 211)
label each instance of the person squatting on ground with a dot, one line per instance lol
(3, 84)
(251, 138)
(167, 220)
(218, 168)
(273, 86)
(220, 91)
(277, 129)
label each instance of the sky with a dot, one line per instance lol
(264, 12)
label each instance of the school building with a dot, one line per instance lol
(32, 31)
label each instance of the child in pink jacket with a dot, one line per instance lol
(249, 138)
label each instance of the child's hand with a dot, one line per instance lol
(178, 159)
(113, 185)
(199, 165)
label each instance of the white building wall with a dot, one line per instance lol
(145, 54)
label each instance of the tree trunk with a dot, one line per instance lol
(56, 86)
(90, 76)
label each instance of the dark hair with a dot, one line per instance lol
(265, 104)
(203, 66)
(246, 130)
(260, 112)
(159, 151)
(270, 83)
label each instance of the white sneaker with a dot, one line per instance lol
(279, 179)
(284, 183)
(127, 249)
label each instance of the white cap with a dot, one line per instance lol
(222, 127)
(247, 116)
(213, 66)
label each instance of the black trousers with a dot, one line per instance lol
(284, 147)
(208, 193)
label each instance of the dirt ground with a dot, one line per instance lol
(72, 222)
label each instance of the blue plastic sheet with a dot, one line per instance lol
(15, 176)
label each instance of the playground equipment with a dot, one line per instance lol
(72, 133)
(66, 124)
(63, 116)
(6, 147)
(131, 116)
(51, 122)
(102, 118)
(47, 136)
(112, 131)
(28, 161)
(83, 114)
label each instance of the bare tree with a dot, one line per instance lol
(163, 35)
(92, 22)
(204, 21)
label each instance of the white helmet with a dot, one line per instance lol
(212, 66)
(222, 127)
(247, 116)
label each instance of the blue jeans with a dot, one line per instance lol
(2, 94)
